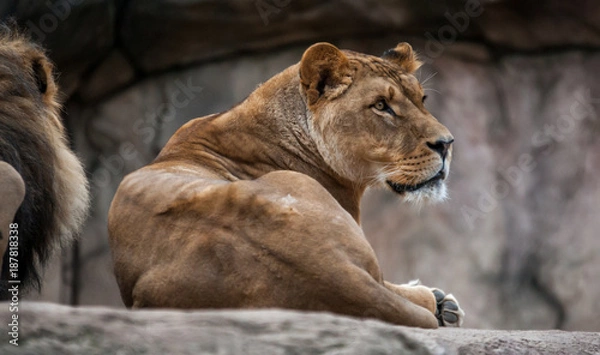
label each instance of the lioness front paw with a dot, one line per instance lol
(449, 313)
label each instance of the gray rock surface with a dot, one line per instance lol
(52, 329)
(159, 35)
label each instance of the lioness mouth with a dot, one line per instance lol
(401, 188)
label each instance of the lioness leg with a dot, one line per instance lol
(372, 299)
(444, 307)
(417, 294)
(343, 289)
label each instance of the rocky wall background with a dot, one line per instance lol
(517, 82)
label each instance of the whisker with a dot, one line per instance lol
(434, 90)
(429, 78)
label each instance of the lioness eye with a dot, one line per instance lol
(380, 105)
(424, 98)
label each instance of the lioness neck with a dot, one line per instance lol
(266, 132)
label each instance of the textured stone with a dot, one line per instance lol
(209, 29)
(112, 74)
(263, 24)
(534, 25)
(159, 35)
(53, 329)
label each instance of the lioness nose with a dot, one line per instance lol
(441, 146)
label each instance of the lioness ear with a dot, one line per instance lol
(403, 56)
(324, 72)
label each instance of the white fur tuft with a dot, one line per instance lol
(429, 194)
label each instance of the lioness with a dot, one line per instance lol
(259, 206)
(43, 185)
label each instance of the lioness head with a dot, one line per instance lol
(368, 119)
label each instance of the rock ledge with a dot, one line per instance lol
(55, 329)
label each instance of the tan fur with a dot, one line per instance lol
(259, 206)
(56, 199)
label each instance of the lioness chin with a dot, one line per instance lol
(259, 206)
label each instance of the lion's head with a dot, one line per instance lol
(33, 142)
(369, 122)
